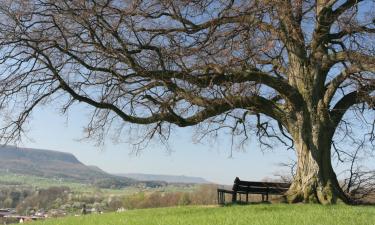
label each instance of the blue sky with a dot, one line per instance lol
(49, 130)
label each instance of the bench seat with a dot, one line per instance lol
(252, 187)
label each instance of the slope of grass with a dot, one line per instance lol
(12, 179)
(262, 214)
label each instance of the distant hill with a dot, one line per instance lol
(54, 164)
(165, 178)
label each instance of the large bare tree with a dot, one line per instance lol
(213, 63)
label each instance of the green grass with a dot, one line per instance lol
(280, 214)
(11, 179)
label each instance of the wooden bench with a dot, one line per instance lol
(241, 187)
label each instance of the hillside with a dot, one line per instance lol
(54, 164)
(262, 214)
(165, 178)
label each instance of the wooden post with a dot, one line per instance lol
(234, 197)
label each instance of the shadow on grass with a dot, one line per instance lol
(246, 203)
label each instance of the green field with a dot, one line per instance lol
(14, 180)
(11, 179)
(263, 214)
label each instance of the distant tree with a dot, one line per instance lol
(297, 67)
(185, 199)
(114, 203)
(360, 182)
(8, 202)
(206, 194)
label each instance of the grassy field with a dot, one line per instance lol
(263, 214)
(10, 179)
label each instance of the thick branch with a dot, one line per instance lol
(363, 61)
(326, 17)
(351, 31)
(213, 107)
(335, 83)
(348, 101)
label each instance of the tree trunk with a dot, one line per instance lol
(315, 180)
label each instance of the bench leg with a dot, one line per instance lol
(220, 197)
(262, 197)
(247, 197)
(267, 197)
(234, 197)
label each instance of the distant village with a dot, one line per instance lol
(10, 216)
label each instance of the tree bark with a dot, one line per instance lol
(315, 180)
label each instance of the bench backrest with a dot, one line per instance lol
(240, 185)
